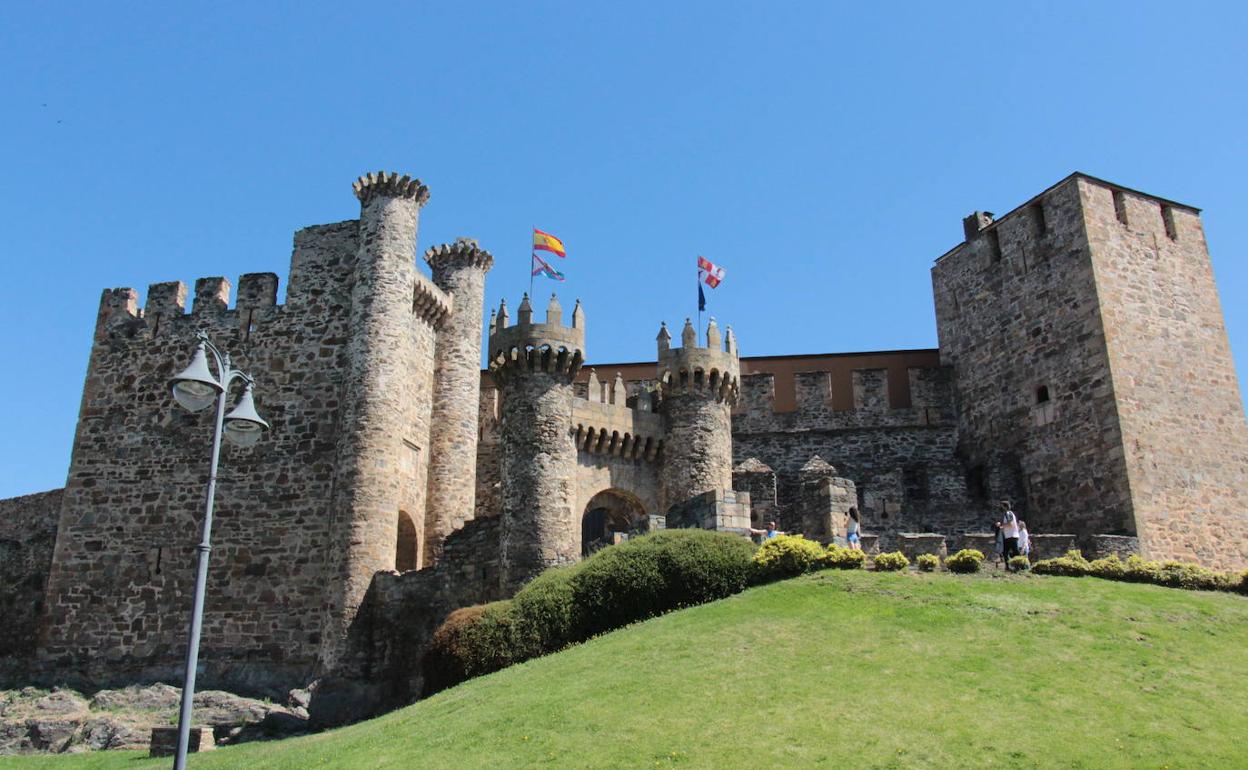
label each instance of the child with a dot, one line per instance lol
(1024, 540)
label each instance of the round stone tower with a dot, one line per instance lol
(534, 365)
(699, 387)
(384, 429)
(458, 269)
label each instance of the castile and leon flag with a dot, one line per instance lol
(543, 241)
(710, 272)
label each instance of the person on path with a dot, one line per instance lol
(1000, 540)
(769, 533)
(853, 529)
(1009, 532)
(1024, 540)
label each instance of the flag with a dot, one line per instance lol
(547, 242)
(709, 272)
(701, 299)
(541, 267)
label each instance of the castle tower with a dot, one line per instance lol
(700, 386)
(1089, 352)
(458, 269)
(383, 446)
(534, 365)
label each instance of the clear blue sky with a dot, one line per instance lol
(824, 154)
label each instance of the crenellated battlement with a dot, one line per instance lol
(464, 251)
(429, 302)
(713, 370)
(531, 347)
(617, 430)
(391, 185)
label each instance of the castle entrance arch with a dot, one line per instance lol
(611, 510)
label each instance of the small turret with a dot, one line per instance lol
(550, 347)
(503, 318)
(664, 339)
(493, 320)
(534, 365)
(578, 317)
(699, 386)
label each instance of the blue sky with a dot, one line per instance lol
(825, 154)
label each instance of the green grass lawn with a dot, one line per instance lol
(838, 669)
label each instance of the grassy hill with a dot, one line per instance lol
(837, 669)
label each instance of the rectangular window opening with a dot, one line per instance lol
(994, 245)
(1037, 217)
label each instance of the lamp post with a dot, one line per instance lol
(195, 389)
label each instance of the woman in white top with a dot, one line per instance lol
(1009, 531)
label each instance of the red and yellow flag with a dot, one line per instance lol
(547, 242)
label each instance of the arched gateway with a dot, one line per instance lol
(611, 510)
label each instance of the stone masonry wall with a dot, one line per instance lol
(458, 269)
(119, 591)
(1177, 395)
(383, 452)
(902, 455)
(1020, 323)
(27, 534)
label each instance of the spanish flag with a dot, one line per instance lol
(547, 242)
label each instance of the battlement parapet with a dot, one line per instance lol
(617, 430)
(860, 398)
(391, 185)
(536, 347)
(713, 370)
(429, 302)
(463, 252)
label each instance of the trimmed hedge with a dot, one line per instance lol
(1135, 569)
(928, 562)
(966, 561)
(891, 562)
(840, 557)
(632, 581)
(786, 556)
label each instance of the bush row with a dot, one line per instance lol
(635, 580)
(1138, 570)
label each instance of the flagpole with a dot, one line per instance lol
(531, 263)
(698, 330)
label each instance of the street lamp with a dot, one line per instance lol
(195, 389)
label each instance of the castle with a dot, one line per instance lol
(1083, 373)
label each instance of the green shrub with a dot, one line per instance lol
(928, 562)
(1192, 577)
(786, 556)
(1136, 569)
(1109, 567)
(650, 575)
(638, 579)
(1019, 563)
(891, 562)
(840, 557)
(965, 561)
(471, 641)
(1071, 565)
(1243, 583)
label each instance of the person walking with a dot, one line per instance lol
(1024, 540)
(1009, 533)
(999, 545)
(853, 529)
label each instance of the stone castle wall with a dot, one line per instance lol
(1020, 324)
(1177, 395)
(119, 591)
(27, 535)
